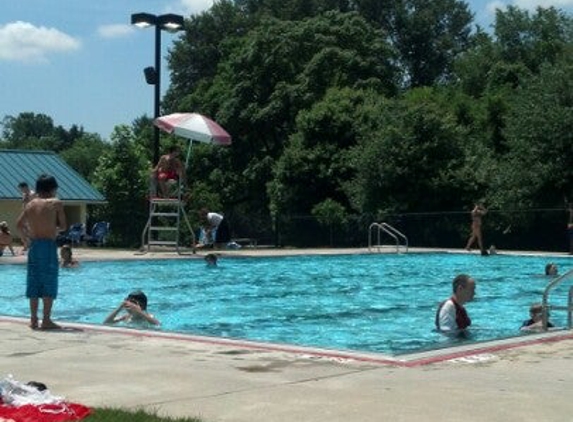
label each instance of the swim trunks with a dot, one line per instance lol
(167, 175)
(42, 280)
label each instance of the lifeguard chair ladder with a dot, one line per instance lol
(380, 228)
(164, 224)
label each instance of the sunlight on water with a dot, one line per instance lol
(377, 303)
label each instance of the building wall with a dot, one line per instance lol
(10, 210)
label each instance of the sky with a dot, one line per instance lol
(81, 61)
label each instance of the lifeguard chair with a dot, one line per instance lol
(167, 215)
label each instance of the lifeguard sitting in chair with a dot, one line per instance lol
(168, 171)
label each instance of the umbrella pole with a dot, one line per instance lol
(188, 154)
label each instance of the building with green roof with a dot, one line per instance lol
(26, 166)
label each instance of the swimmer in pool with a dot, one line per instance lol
(211, 260)
(551, 269)
(535, 321)
(135, 307)
(66, 257)
(451, 316)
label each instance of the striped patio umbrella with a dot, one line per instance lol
(195, 127)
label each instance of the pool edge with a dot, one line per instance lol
(405, 360)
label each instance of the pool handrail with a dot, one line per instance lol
(545, 302)
(391, 231)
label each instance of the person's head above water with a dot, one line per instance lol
(551, 269)
(211, 259)
(463, 287)
(138, 297)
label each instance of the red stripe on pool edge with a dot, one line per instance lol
(488, 349)
(309, 351)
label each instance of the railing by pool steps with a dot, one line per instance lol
(568, 276)
(378, 229)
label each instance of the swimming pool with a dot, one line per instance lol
(381, 303)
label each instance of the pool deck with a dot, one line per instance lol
(220, 380)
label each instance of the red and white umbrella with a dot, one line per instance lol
(193, 126)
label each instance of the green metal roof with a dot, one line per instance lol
(26, 166)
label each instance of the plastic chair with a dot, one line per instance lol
(100, 230)
(76, 233)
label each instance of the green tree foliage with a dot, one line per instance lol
(33, 131)
(284, 67)
(330, 213)
(293, 9)
(122, 176)
(84, 153)
(315, 164)
(538, 169)
(428, 35)
(532, 40)
(197, 54)
(412, 161)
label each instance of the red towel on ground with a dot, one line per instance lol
(61, 412)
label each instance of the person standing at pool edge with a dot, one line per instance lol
(476, 233)
(451, 316)
(40, 221)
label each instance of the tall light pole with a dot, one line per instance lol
(168, 22)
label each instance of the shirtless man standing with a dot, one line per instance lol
(477, 213)
(168, 168)
(40, 221)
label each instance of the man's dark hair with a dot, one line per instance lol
(460, 281)
(23, 185)
(46, 184)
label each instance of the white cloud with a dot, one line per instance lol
(115, 30)
(533, 4)
(190, 7)
(22, 41)
(530, 5)
(494, 5)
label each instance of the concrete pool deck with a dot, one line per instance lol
(231, 381)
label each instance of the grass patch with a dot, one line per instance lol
(105, 414)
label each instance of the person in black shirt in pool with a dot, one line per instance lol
(535, 322)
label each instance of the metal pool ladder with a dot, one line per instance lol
(568, 276)
(384, 228)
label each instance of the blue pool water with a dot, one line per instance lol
(377, 303)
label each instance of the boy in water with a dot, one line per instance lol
(67, 257)
(5, 239)
(135, 310)
(211, 260)
(40, 221)
(535, 321)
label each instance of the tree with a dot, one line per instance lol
(330, 214)
(122, 176)
(532, 40)
(83, 156)
(28, 131)
(538, 169)
(428, 35)
(315, 163)
(413, 161)
(33, 131)
(275, 71)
